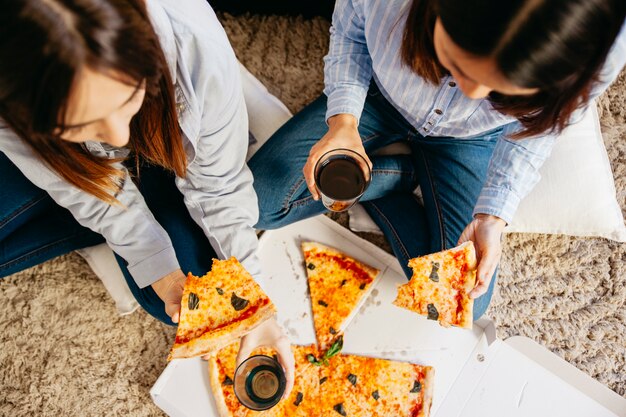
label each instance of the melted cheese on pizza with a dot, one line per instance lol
(337, 284)
(219, 302)
(362, 386)
(350, 385)
(440, 285)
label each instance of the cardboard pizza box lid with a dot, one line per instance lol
(476, 373)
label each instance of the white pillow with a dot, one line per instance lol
(576, 193)
(575, 196)
(266, 113)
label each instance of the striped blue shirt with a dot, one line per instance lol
(365, 41)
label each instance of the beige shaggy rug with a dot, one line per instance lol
(65, 352)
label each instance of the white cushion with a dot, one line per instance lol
(266, 113)
(576, 193)
(102, 261)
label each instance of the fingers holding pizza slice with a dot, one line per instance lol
(440, 285)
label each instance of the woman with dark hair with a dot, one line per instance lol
(123, 121)
(478, 89)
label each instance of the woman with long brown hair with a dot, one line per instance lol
(478, 89)
(123, 121)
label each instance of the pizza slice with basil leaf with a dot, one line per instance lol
(364, 386)
(219, 308)
(440, 286)
(337, 285)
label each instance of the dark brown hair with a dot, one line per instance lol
(45, 44)
(556, 46)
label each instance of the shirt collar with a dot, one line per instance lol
(165, 32)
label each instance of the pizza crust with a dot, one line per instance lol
(216, 388)
(427, 400)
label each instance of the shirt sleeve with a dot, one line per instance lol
(218, 190)
(514, 166)
(348, 65)
(513, 172)
(130, 230)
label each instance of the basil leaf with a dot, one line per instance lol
(352, 378)
(417, 387)
(238, 303)
(339, 408)
(433, 314)
(335, 348)
(193, 301)
(434, 276)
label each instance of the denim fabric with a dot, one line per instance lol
(450, 171)
(34, 229)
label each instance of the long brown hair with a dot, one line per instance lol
(45, 44)
(556, 46)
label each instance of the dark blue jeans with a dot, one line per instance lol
(34, 229)
(450, 172)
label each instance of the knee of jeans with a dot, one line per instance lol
(480, 306)
(270, 218)
(272, 211)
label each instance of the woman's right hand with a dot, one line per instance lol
(170, 290)
(342, 133)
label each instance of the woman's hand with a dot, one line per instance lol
(342, 133)
(170, 290)
(485, 231)
(270, 334)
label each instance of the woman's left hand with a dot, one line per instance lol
(485, 231)
(270, 334)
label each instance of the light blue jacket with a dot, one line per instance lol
(218, 188)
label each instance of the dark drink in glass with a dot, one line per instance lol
(341, 177)
(259, 382)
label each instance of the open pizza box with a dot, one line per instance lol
(476, 374)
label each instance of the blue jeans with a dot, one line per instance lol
(450, 172)
(34, 229)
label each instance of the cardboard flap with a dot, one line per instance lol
(500, 380)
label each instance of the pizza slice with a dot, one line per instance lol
(396, 388)
(363, 386)
(301, 402)
(219, 308)
(337, 285)
(440, 286)
(339, 390)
